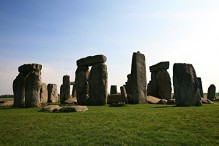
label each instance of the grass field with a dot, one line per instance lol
(141, 124)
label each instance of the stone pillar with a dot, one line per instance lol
(98, 82)
(65, 89)
(186, 86)
(52, 93)
(200, 86)
(123, 91)
(43, 93)
(211, 92)
(81, 85)
(138, 78)
(113, 89)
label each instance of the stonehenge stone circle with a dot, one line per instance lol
(27, 85)
(98, 83)
(138, 78)
(186, 85)
(52, 93)
(211, 92)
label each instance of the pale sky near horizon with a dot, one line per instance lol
(56, 33)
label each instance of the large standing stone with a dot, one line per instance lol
(123, 91)
(211, 92)
(164, 84)
(113, 89)
(186, 86)
(65, 89)
(52, 93)
(98, 83)
(200, 86)
(43, 93)
(32, 89)
(138, 78)
(81, 85)
(91, 60)
(27, 85)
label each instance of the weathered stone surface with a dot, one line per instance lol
(19, 90)
(26, 68)
(186, 86)
(81, 85)
(128, 85)
(200, 86)
(153, 100)
(32, 89)
(7, 103)
(71, 100)
(138, 78)
(51, 108)
(123, 92)
(211, 92)
(113, 89)
(98, 84)
(65, 89)
(43, 93)
(73, 109)
(116, 98)
(91, 60)
(206, 101)
(160, 66)
(164, 84)
(52, 93)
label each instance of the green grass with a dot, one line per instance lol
(142, 124)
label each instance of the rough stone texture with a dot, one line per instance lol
(138, 78)
(123, 92)
(52, 93)
(98, 83)
(155, 100)
(160, 66)
(27, 85)
(51, 108)
(200, 86)
(116, 98)
(211, 92)
(206, 101)
(186, 86)
(7, 103)
(128, 85)
(57, 108)
(81, 85)
(113, 89)
(91, 60)
(65, 89)
(160, 84)
(43, 93)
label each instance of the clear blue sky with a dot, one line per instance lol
(56, 33)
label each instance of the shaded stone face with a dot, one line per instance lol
(123, 91)
(91, 60)
(200, 86)
(113, 89)
(211, 92)
(98, 83)
(160, 66)
(65, 89)
(52, 93)
(81, 85)
(186, 86)
(27, 85)
(43, 93)
(138, 78)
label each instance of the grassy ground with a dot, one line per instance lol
(102, 125)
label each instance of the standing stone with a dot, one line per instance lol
(211, 92)
(81, 85)
(43, 93)
(98, 83)
(73, 91)
(138, 78)
(52, 93)
(186, 86)
(113, 89)
(32, 89)
(123, 91)
(200, 86)
(19, 90)
(65, 89)
(164, 84)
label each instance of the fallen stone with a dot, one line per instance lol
(73, 109)
(7, 103)
(206, 101)
(51, 108)
(154, 100)
(91, 60)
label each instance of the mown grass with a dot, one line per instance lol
(141, 124)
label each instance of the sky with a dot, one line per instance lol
(56, 33)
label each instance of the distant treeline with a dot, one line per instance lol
(6, 96)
